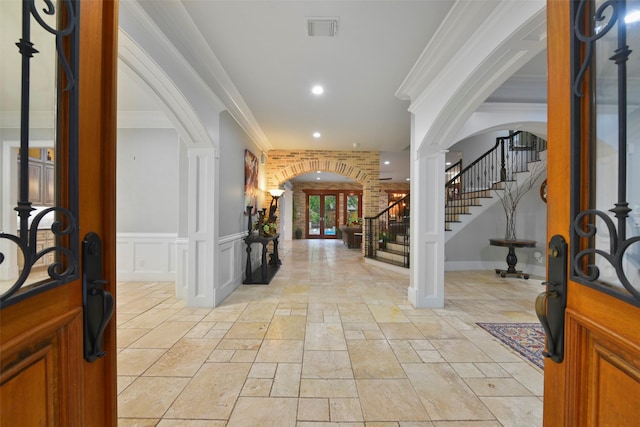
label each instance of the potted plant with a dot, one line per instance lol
(383, 238)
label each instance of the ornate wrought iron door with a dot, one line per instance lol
(606, 223)
(49, 30)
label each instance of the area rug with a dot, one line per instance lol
(527, 339)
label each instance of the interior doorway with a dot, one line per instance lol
(322, 215)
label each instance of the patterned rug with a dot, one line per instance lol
(527, 339)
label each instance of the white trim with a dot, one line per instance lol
(143, 120)
(531, 269)
(146, 257)
(135, 20)
(182, 267)
(231, 266)
(232, 237)
(175, 105)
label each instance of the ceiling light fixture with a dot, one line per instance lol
(387, 162)
(317, 135)
(317, 90)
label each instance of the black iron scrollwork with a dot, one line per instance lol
(584, 265)
(64, 268)
(584, 253)
(595, 33)
(57, 270)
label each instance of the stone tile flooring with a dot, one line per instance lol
(332, 341)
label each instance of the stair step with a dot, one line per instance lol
(390, 256)
(396, 247)
(457, 210)
(392, 262)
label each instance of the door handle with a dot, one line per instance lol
(551, 304)
(98, 303)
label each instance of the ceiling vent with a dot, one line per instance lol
(322, 27)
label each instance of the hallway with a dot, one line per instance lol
(332, 341)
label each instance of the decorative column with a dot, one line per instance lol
(202, 227)
(426, 288)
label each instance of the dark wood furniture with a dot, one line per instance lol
(263, 274)
(351, 235)
(512, 260)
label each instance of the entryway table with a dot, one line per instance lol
(512, 260)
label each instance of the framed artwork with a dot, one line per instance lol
(250, 180)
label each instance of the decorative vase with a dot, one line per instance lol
(510, 232)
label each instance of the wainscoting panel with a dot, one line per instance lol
(146, 256)
(182, 267)
(231, 266)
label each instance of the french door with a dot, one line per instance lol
(57, 334)
(591, 306)
(322, 215)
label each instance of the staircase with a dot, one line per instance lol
(387, 240)
(470, 190)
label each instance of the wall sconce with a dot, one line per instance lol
(275, 195)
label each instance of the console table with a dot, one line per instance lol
(263, 274)
(512, 260)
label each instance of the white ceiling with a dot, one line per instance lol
(266, 51)
(265, 48)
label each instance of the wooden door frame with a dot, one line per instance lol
(598, 326)
(558, 204)
(321, 193)
(85, 393)
(99, 71)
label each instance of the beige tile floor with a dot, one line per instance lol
(332, 341)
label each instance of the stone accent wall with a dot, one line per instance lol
(361, 166)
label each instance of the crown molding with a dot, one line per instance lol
(169, 25)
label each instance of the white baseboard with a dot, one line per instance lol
(532, 270)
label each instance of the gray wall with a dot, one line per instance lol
(475, 146)
(147, 181)
(233, 142)
(472, 243)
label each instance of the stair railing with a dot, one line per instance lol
(510, 154)
(381, 230)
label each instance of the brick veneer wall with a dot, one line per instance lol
(361, 166)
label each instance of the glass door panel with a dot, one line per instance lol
(330, 215)
(322, 216)
(353, 209)
(315, 216)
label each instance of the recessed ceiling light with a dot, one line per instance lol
(387, 162)
(317, 90)
(317, 135)
(318, 171)
(408, 179)
(448, 163)
(318, 178)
